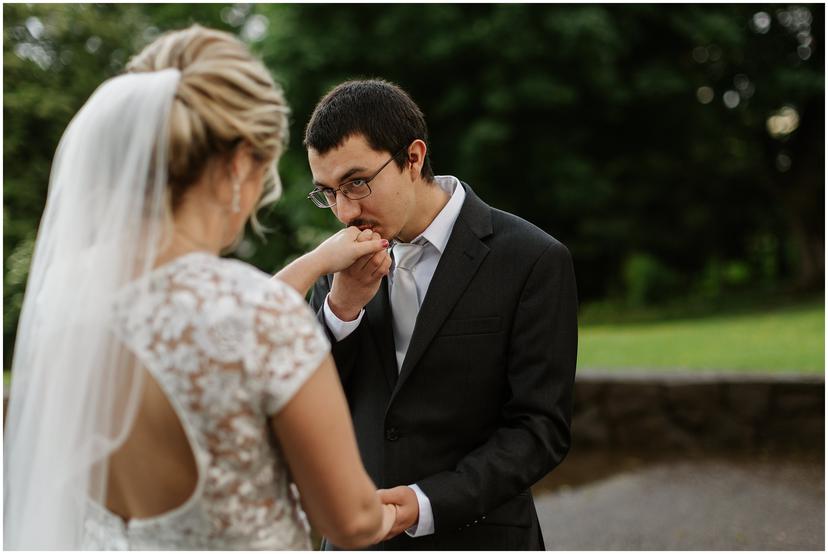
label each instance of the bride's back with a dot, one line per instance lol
(224, 348)
(154, 471)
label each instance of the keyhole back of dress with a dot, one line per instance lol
(154, 471)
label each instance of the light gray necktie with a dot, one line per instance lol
(405, 302)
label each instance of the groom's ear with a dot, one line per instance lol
(416, 158)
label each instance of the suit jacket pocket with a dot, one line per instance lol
(470, 326)
(516, 512)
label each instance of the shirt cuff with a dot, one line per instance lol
(338, 328)
(425, 524)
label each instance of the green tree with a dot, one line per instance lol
(593, 121)
(690, 136)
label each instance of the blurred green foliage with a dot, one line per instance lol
(641, 135)
(647, 280)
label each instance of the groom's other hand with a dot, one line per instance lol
(408, 509)
(355, 286)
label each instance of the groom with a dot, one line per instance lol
(458, 367)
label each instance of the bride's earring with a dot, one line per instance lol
(236, 203)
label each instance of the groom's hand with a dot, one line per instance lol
(355, 286)
(408, 509)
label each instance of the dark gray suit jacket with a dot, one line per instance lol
(481, 408)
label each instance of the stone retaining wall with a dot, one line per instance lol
(698, 412)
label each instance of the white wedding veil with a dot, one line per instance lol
(74, 388)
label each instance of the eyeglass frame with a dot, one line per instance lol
(366, 182)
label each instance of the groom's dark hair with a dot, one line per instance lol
(380, 111)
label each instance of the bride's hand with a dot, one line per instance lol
(389, 517)
(341, 250)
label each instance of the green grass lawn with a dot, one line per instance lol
(783, 340)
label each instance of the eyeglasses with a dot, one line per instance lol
(325, 197)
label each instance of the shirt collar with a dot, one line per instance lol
(439, 231)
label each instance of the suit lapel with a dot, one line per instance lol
(378, 312)
(459, 263)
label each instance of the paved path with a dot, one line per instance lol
(744, 503)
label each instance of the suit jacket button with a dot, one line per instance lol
(391, 434)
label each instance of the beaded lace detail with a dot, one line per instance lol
(229, 346)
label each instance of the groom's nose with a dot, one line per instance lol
(347, 209)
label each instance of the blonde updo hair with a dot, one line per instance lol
(225, 98)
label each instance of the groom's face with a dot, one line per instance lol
(387, 209)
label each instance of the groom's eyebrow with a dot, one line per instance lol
(343, 178)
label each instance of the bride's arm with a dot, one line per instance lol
(335, 254)
(302, 272)
(317, 438)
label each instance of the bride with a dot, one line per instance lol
(164, 397)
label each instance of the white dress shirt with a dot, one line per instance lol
(434, 238)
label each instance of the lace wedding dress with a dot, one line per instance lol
(229, 346)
